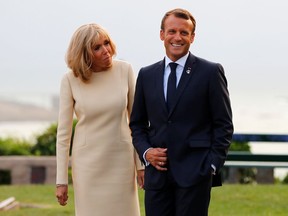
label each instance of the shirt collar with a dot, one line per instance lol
(180, 61)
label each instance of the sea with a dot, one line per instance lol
(28, 130)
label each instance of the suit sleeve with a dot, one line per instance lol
(131, 90)
(221, 116)
(139, 121)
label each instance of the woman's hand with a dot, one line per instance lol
(140, 178)
(62, 194)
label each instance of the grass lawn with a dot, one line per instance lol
(229, 200)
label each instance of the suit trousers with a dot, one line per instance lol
(173, 200)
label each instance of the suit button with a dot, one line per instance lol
(169, 122)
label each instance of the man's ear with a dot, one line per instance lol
(192, 38)
(162, 36)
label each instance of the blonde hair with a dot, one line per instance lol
(79, 56)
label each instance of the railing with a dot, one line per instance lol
(248, 159)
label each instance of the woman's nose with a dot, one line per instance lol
(105, 50)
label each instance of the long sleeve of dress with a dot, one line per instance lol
(64, 131)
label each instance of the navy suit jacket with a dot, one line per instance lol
(196, 132)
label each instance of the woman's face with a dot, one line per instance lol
(102, 53)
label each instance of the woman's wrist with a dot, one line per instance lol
(61, 185)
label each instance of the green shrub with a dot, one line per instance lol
(246, 175)
(285, 180)
(46, 142)
(239, 146)
(13, 146)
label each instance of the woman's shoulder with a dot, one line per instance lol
(69, 76)
(123, 66)
(121, 63)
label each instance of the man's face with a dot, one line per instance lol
(177, 36)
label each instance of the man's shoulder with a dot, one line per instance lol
(207, 66)
(154, 66)
(206, 62)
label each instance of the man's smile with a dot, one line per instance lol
(176, 45)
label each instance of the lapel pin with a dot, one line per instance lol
(188, 70)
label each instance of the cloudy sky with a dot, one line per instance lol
(249, 38)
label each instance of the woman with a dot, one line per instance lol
(99, 90)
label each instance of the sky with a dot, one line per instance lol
(249, 38)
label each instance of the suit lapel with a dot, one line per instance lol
(159, 84)
(187, 73)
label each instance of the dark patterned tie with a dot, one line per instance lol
(171, 85)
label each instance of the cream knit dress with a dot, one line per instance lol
(103, 158)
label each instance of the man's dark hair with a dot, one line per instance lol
(180, 13)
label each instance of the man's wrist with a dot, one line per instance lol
(213, 169)
(147, 163)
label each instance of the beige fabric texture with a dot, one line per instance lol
(103, 158)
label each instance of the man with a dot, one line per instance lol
(183, 141)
